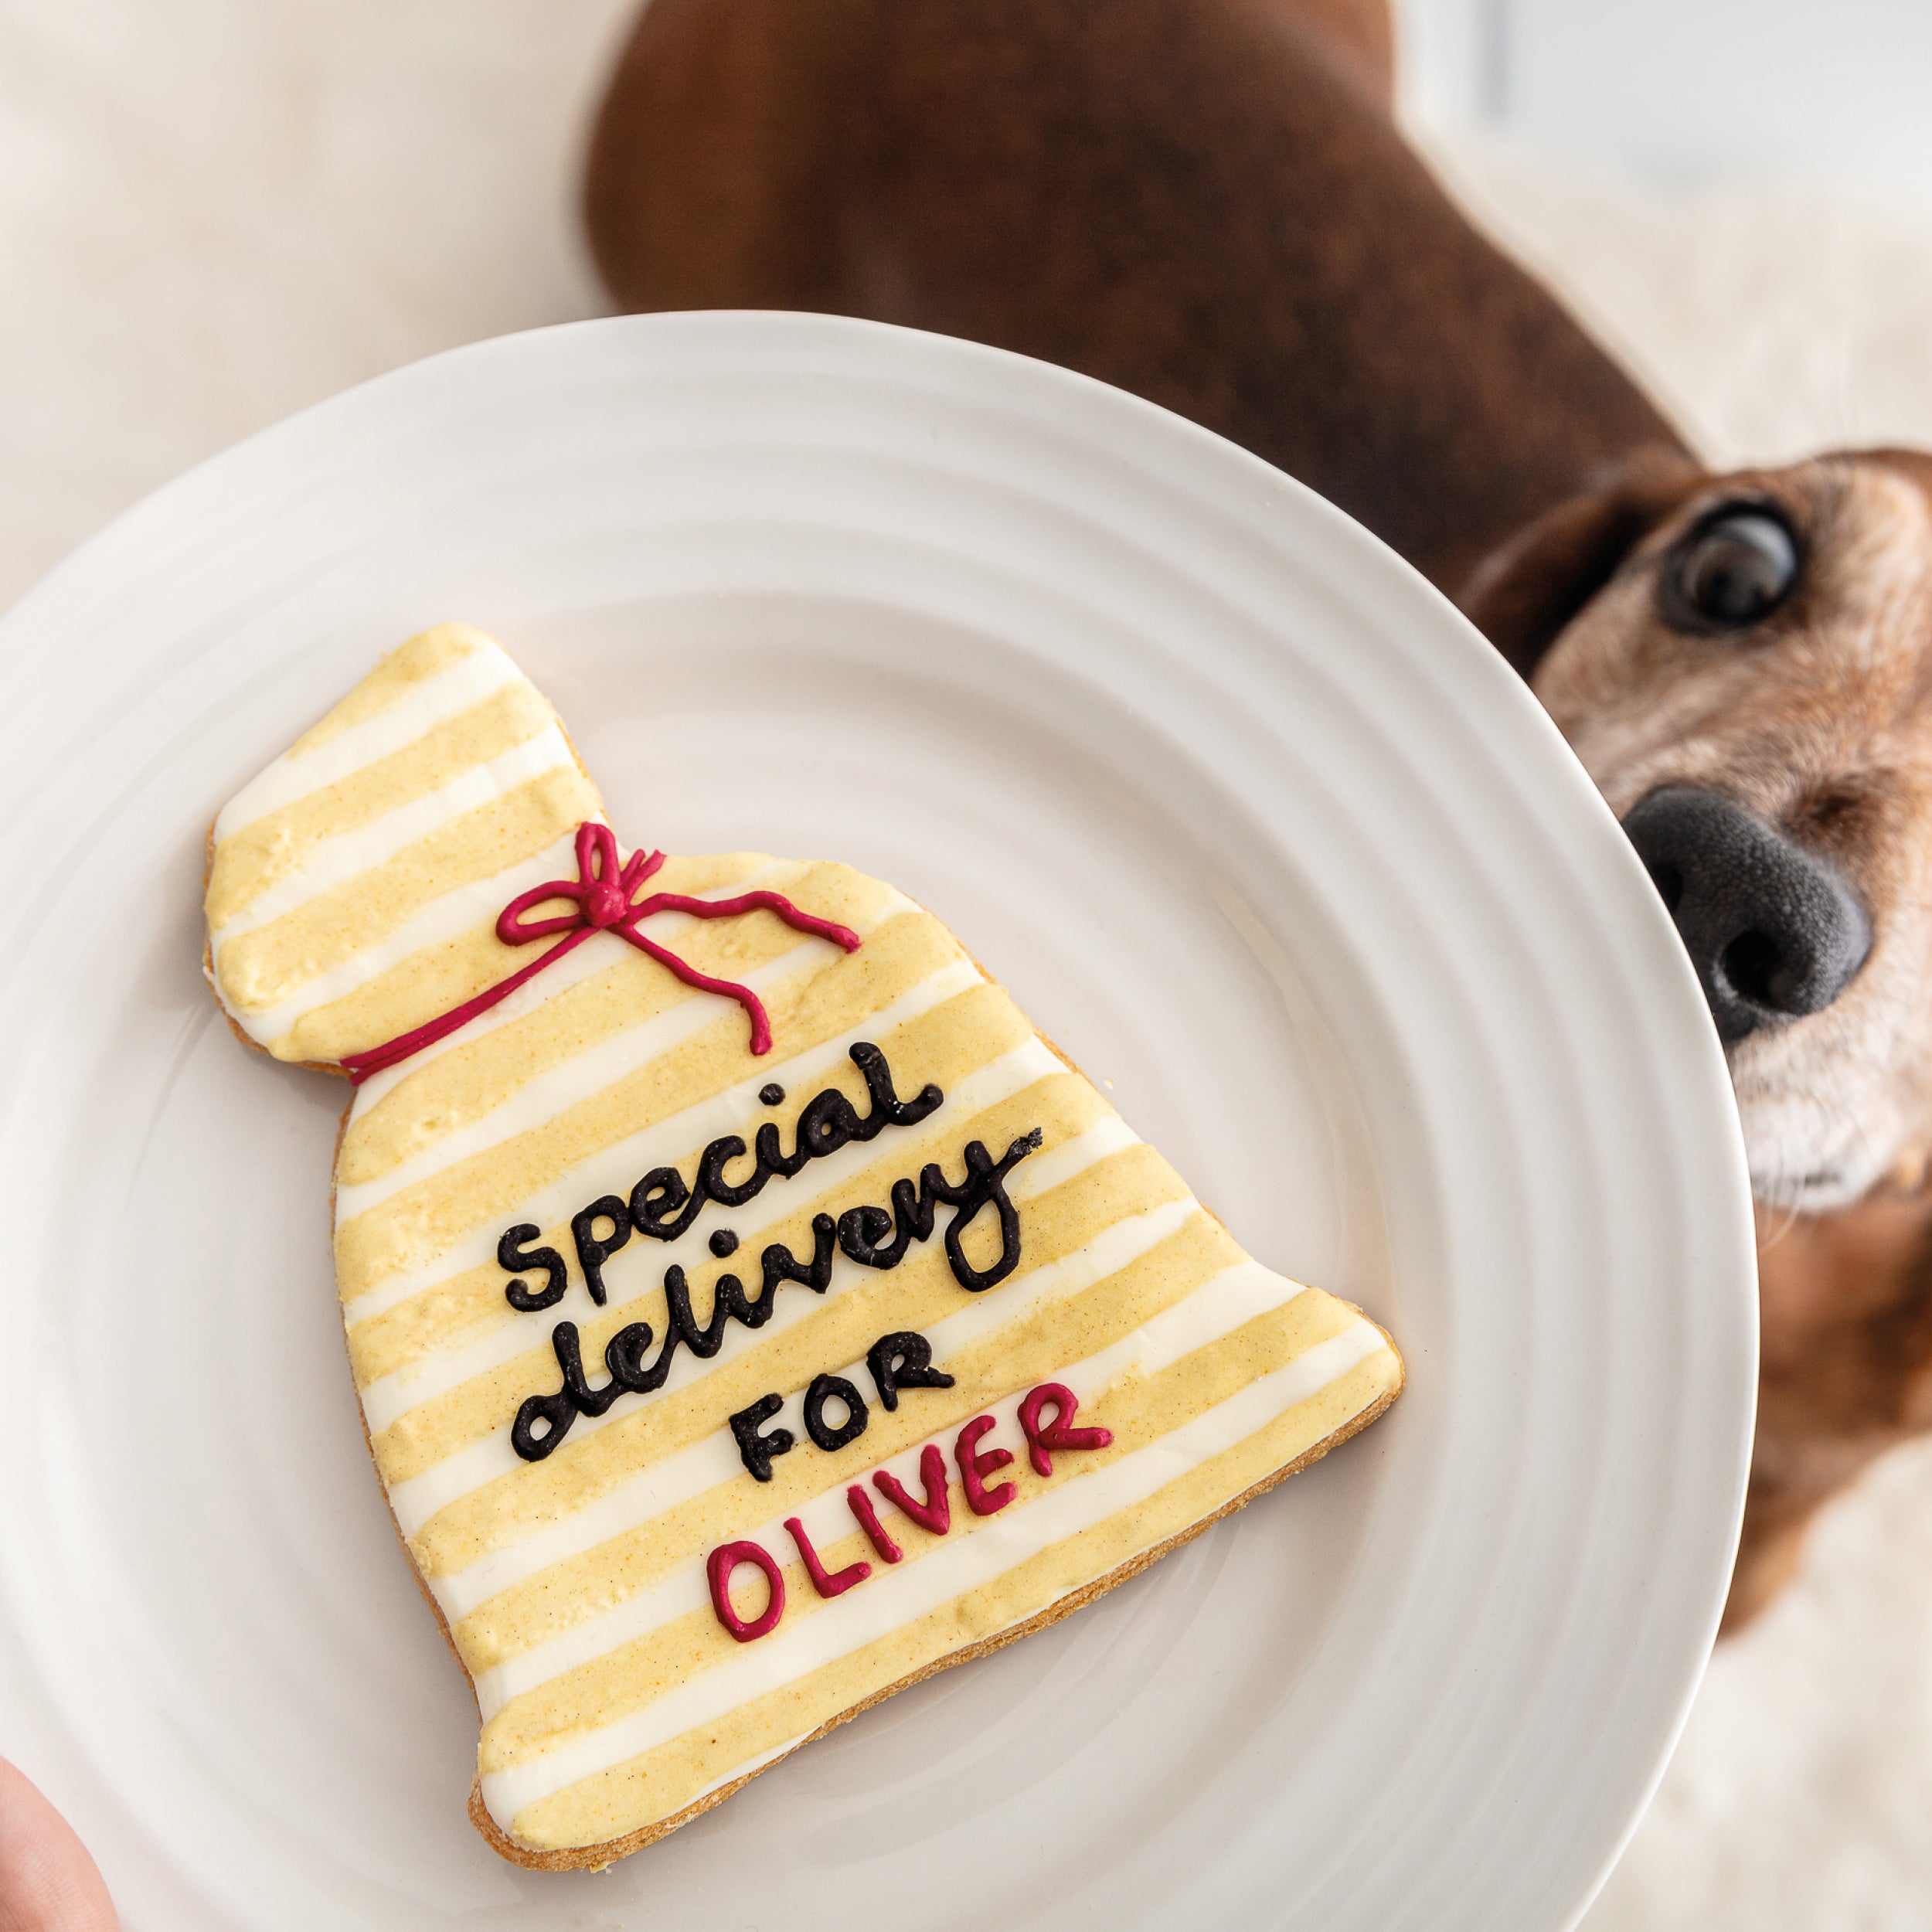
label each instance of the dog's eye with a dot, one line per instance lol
(1735, 567)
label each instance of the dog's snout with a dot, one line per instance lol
(1772, 930)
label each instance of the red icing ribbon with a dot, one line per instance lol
(976, 1465)
(723, 1561)
(604, 893)
(834, 1584)
(1042, 1438)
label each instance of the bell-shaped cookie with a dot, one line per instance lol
(751, 1312)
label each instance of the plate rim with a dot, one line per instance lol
(88, 571)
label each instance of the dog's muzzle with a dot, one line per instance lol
(1772, 930)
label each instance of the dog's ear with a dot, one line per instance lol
(1522, 596)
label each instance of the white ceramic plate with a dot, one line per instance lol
(1215, 784)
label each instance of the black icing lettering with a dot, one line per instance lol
(912, 1208)
(903, 1361)
(623, 1356)
(555, 1412)
(728, 1303)
(987, 1183)
(826, 1389)
(569, 1359)
(663, 1205)
(593, 1250)
(862, 1232)
(770, 1161)
(514, 1252)
(828, 1123)
(712, 1183)
(780, 1263)
(887, 1107)
(544, 1420)
(654, 1202)
(755, 1450)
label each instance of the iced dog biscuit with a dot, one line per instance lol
(751, 1313)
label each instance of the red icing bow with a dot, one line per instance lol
(604, 899)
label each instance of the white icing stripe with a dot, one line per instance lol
(583, 1075)
(681, 1591)
(1218, 1307)
(417, 1499)
(395, 1394)
(591, 957)
(675, 1478)
(670, 1139)
(888, 1601)
(661, 1485)
(590, 1071)
(1115, 1248)
(601, 951)
(1041, 1172)
(336, 860)
(420, 708)
(447, 916)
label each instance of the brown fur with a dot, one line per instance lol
(1846, 1371)
(1206, 201)
(1821, 720)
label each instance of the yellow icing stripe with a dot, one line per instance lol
(413, 1227)
(454, 1312)
(278, 846)
(657, 1784)
(1137, 1410)
(437, 1429)
(821, 1336)
(712, 1458)
(463, 1089)
(424, 974)
(441, 1093)
(659, 1014)
(456, 1441)
(659, 1781)
(263, 968)
(418, 1498)
(1027, 1349)
(422, 656)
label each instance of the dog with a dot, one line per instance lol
(1208, 202)
(1740, 662)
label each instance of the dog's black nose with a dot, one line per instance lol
(1773, 931)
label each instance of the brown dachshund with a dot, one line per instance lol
(1741, 663)
(1207, 201)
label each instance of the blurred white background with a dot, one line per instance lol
(1737, 194)
(1682, 93)
(213, 212)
